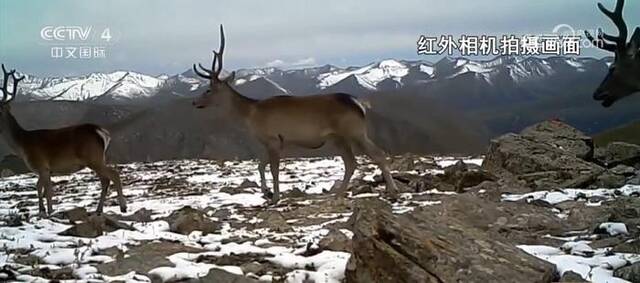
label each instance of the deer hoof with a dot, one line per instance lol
(392, 195)
(267, 195)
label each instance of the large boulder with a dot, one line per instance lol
(617, 153)
(544, 163)
(93, 226)
(562, 136)
(423, 247)
(462, 175)
(630, 273)
(188, 219)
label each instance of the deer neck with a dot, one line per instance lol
(241, 105)
(12, 132)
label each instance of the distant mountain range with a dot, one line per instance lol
(455, 105)
(385, 75)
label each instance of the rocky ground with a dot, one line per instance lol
(544, 206)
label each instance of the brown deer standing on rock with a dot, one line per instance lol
(50, 152)
(623, 78)
(308, 122)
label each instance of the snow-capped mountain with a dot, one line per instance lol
(394, 74)
(119, 85)
(368, 76)
(384, 75)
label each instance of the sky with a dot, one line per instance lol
(166, 37)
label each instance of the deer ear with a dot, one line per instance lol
(231, 77)
(634, 44)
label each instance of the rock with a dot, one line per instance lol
(456, 168)
(252, 267)
(274, 220)
(422, 247)
(295, 193)
(630, 273)
(220, 276)
(541, 165)
(336, 241)
(617, 153)
(634, 180)
(143, 257)
(141, 215)
(363, 189)
(630, 246)
(461, 176)
(570, 276)
(246, 183)
(409, 162)
(561, 136)
(624, 170)
(7, 274)
(94, 226)
(187, 219)
(609, 180)
(65, 273)
(73, 215)
(625, 210)
(473, 178)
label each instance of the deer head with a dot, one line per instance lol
(623, 78)
(216, 85)
(8, 96)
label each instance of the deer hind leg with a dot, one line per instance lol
(350, 163)
(40, 191)
(273, 152)
(379, 157)
(110, 174)
(104, 184)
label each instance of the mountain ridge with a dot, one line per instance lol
(125, 86)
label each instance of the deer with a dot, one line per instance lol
(623, 78)
(307, 122)
(61, 151)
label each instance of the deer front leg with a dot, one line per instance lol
(40, 192)
(274, 164)
(48, 191)
(262, 166)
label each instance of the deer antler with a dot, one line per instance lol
(216, 65)
(5, 83)
(619, 44)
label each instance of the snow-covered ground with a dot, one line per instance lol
(247, 232)
(164, 187)
(595, 265)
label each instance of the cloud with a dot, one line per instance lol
(305, 62)
(298, 33)
(276, 63)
